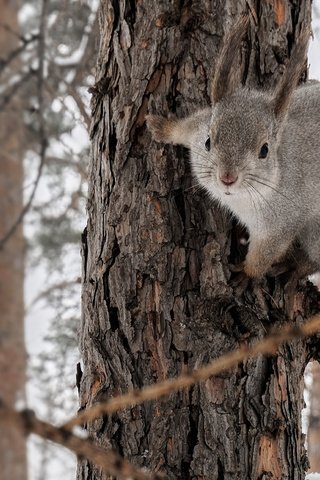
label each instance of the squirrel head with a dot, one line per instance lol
(241, 141)
(237, 138)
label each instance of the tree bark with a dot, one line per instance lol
(13, 463)
(314, 419)
(156, 298)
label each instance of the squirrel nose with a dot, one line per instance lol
(228, 179)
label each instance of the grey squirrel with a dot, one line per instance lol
(258, 154)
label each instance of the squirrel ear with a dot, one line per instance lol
(291, 77)
(162, 129)
(222, 84)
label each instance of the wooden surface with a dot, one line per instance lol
(156, 298)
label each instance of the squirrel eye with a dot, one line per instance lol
(207, 144)
(264, 151)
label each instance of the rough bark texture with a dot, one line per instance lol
(12, 351)
(314, 419)
(156, 298)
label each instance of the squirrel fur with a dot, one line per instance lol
(258, 154)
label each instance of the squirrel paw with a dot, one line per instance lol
(278, 269)
(235, 268)
(156, 125)
(239, 283)
(254, 270)
(160, 128)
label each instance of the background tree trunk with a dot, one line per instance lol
(156, 298)
(12, 350)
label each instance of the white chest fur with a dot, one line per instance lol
(248, 208)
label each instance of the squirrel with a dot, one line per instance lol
(258, 154)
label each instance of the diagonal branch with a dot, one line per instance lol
(27, 206)
(267, 346)
(4, 62)
(110, 461)
(7, 95)
(12, 31)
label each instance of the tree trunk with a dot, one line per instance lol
(156, 298)
(314, 419)
(12, 350)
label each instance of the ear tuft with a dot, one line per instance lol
(160, 128)
(222, 84)
(292, 75)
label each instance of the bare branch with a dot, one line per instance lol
(72, 90)
(25, 209)
(267, 346)
(11, 30)
(53, 288)
(4, 62)
(65, 162)
(110, 461)
(6, 97)
(79, 101)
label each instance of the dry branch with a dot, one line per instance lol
(4, 62)
(110, 461)
(267, 346)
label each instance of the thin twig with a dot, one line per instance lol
(11, 30)
(62, 286)
(25, 209)
(267, 346)
(14, 88)
(15, 53)
(110, 461)
(72, 90)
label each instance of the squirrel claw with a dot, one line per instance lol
(239, 283)
(235, 268)
(278, 269)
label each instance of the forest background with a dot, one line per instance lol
(54, 106)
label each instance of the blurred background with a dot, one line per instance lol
(47, 57)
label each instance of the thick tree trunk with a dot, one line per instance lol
(12, 350)
(314, 419)
(156, 298)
